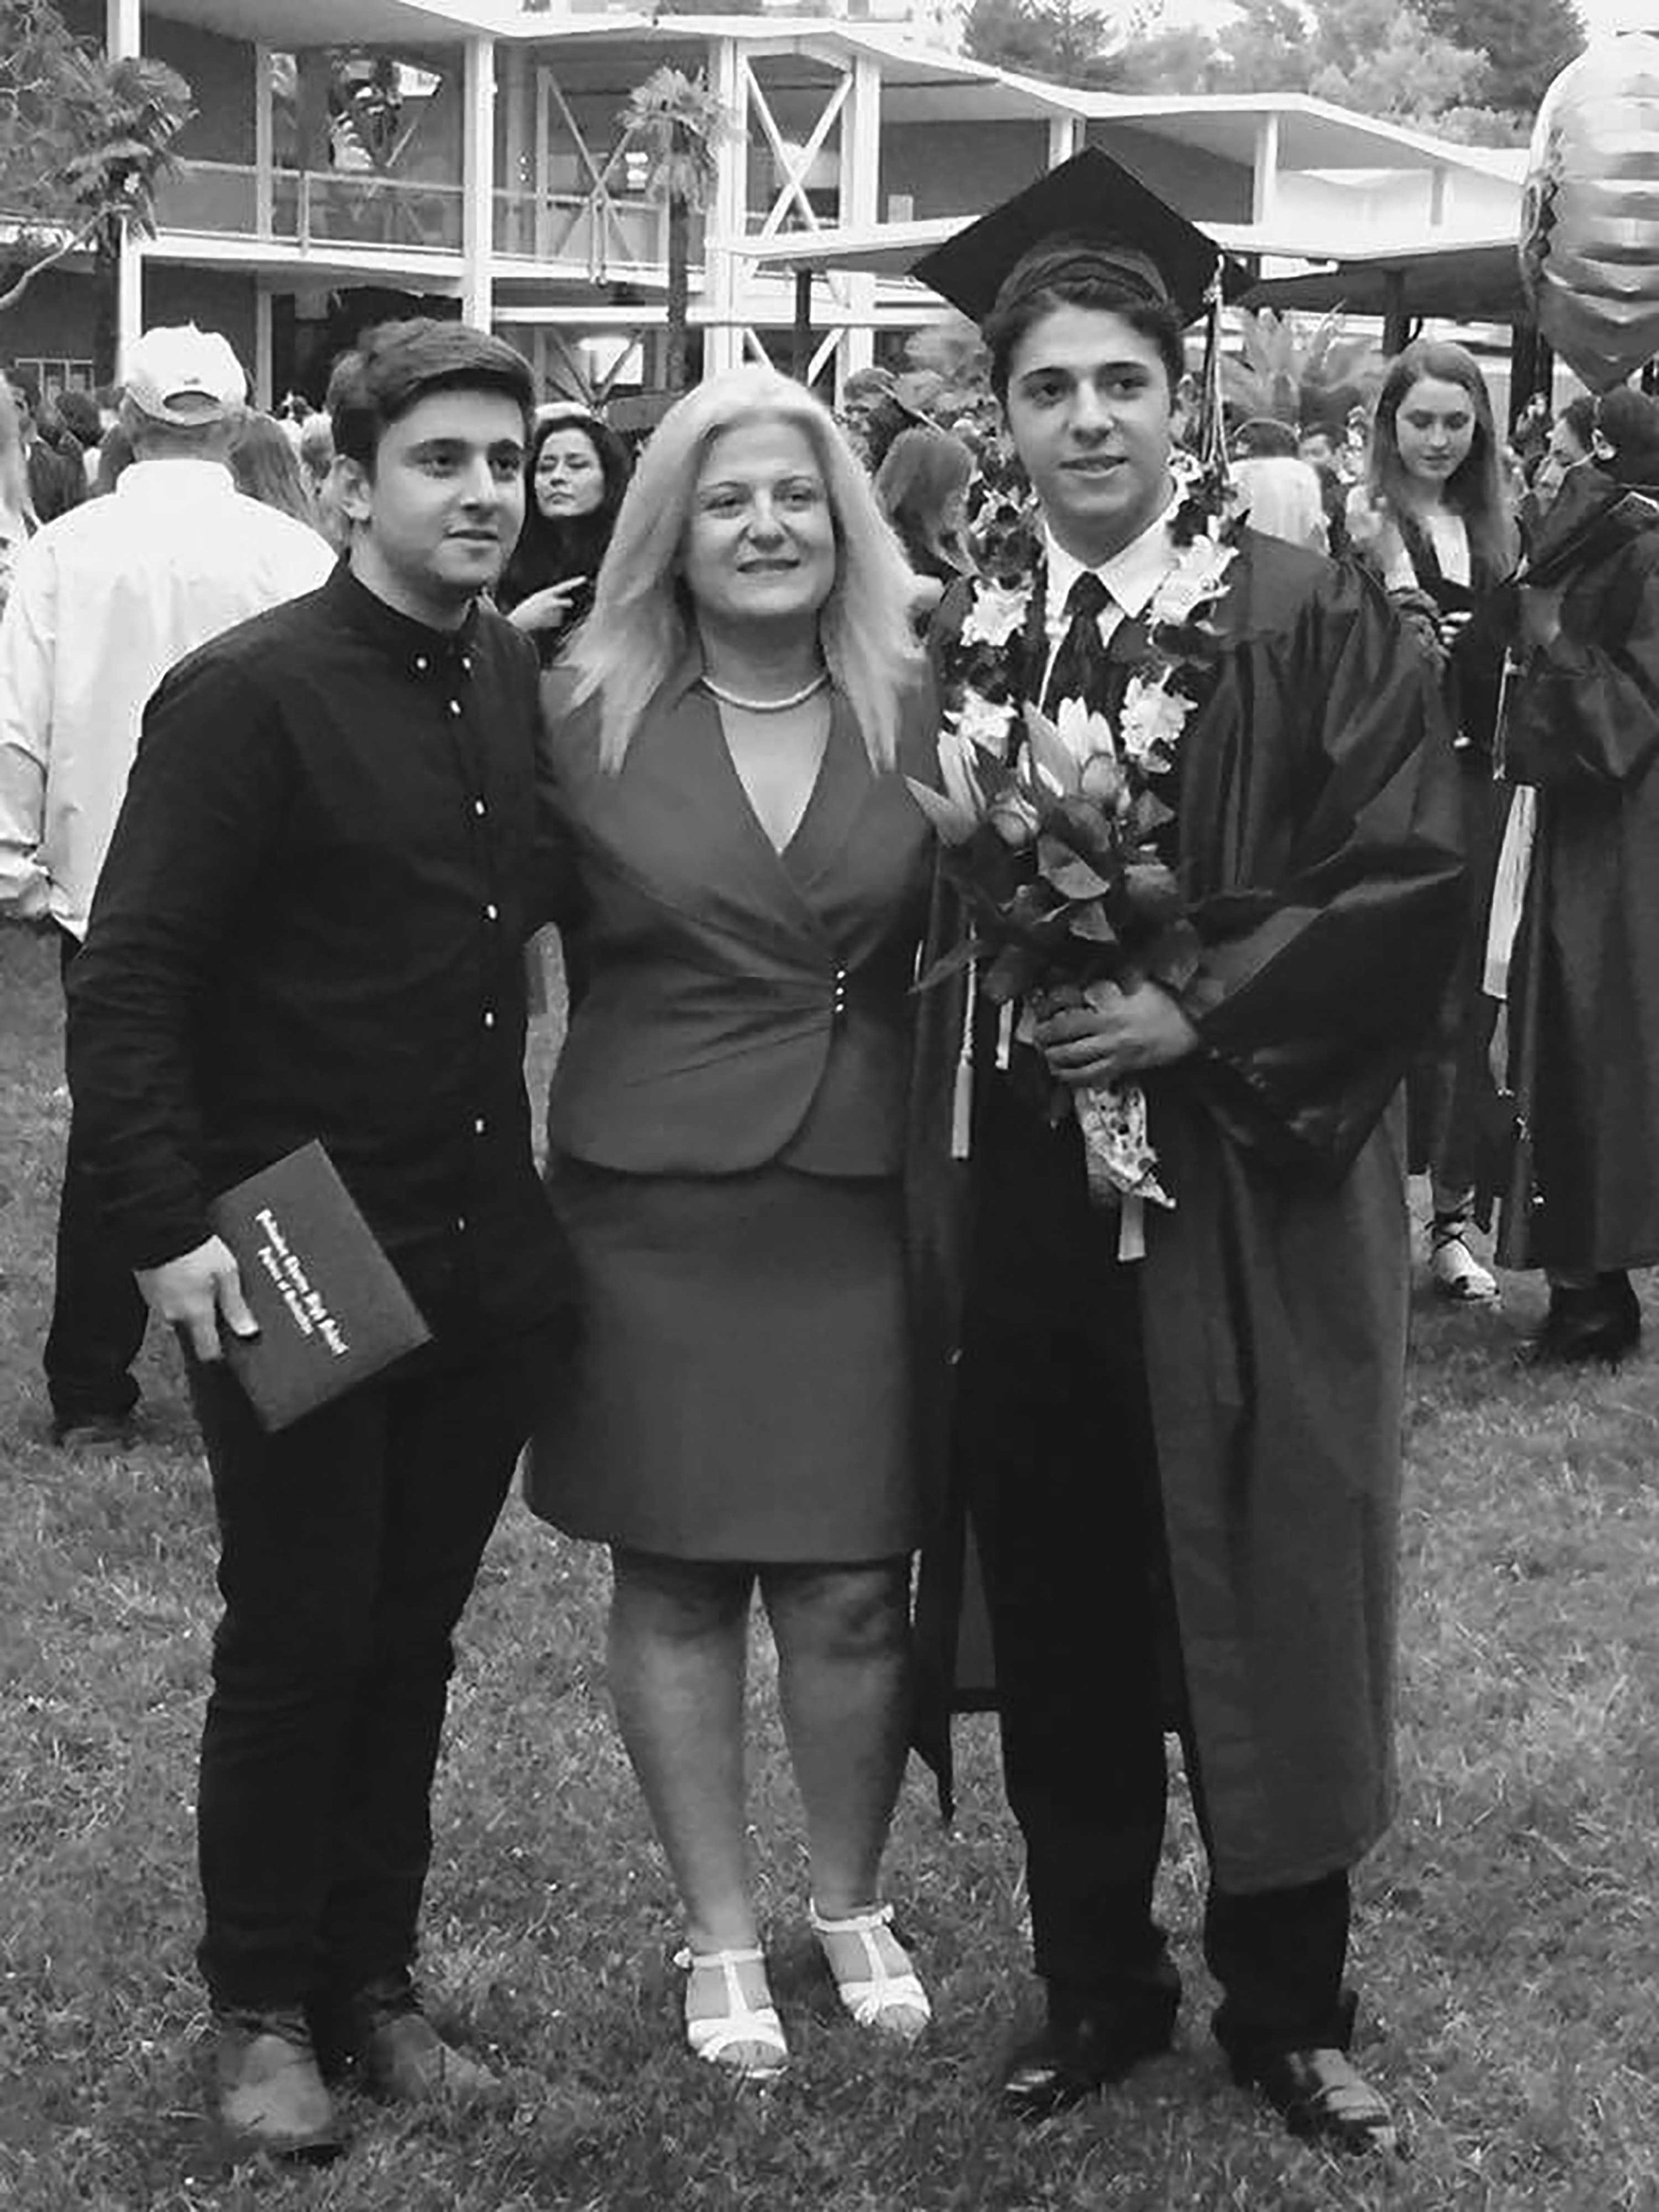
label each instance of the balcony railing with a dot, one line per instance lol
(331, 207)
(567, 227)
(311, 206)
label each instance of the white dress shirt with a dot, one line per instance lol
(103, 602)
(1132, 575)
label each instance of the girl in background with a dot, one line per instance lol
(1432, 518)
(576, 471)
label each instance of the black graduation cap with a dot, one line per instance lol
(1094, 204)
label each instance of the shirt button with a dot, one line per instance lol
(422, 664)
(489, 1018)
(479, 808)
(460, 1224)
(454, 706)
(466, 663)
(479, 1126)
(492, 914)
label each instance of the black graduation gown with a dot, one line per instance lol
(1319, 841)
(1583, 727)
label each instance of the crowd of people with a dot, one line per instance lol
(301, 738)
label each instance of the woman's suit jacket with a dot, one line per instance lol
(739, 1006)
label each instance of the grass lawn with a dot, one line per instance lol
(1507, 1942)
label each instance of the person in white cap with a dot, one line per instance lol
(103, 602)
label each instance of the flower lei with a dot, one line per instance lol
(983, 688)
(981, 691)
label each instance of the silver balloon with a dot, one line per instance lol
(1590, 215)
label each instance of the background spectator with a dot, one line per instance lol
(1582, 731)
(1433, 520)
(79, 413)
(576, 471)
(57, 479)
(1281, 495)
(265, 468)
(17, 508)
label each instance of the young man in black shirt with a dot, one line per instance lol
(310, 924)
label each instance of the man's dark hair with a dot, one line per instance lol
(1069, 276)
(396, 365)
(1264, 437)
(78, 411)
(27, 385)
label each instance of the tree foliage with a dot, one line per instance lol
(83, 142)
(1526, 43)
(1298, 370)
(1473, 69)
(1061, 42)
(679, 123)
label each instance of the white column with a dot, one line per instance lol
(264, 362)
(725, 217)
(1264, 182)
(1065, 138)
(478, 182)
(121, 34)
(861, 203)
(515, 89)
(264, 143)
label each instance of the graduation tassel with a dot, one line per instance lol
(962, 1093)
(1212, 422)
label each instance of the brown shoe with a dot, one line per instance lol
(268, 2093)
(402, 2058)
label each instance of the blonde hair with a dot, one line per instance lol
(14, 463)
(642, 622)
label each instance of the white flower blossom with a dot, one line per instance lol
(997, 611)
(984, 723)
(1152, 721)
(1082, 734)
(1196, 577)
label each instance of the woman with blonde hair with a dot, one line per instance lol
(726, 744)
(17, 518)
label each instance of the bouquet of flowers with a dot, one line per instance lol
(1053, 853)
(1051, 833)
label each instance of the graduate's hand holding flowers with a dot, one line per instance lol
(1104, 1033)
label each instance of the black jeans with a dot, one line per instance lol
(350, 1544)
(1063, 1468)
(98, 1315)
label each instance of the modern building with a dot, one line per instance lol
(350, 158)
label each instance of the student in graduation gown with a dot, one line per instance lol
(1183, 1471)
(727, 1134)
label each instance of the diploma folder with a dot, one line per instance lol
(331, 1308)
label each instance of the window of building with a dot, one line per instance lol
(56, 376)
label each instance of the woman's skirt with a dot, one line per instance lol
(742, 1386)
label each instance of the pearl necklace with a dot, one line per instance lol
(766, 705)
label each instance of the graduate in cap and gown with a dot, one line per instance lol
(1175, 1433)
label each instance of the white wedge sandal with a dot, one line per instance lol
(746, 2039)
(888, 1995)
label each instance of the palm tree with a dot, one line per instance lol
(1297, 375)
(84, 140)
(679, 123)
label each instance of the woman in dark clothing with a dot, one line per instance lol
(1582, 729)
(1432, 518)
(727, 748)
(575, 474)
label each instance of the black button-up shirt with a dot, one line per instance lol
(311, 924)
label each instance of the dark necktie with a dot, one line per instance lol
(1080, 669)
